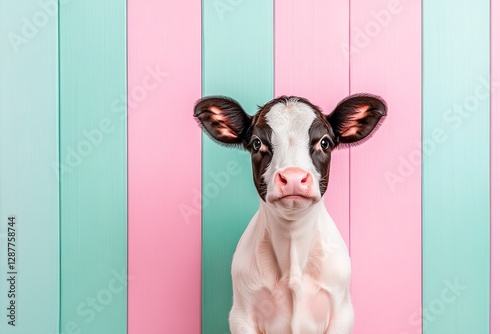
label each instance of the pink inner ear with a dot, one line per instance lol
(224, 129)
(219, 117)
(362, 109)
(226, 132)
(215, 110)
(351, 126)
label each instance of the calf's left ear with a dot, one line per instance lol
(356, 117)
(223, 119)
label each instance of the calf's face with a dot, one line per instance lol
(290, 141)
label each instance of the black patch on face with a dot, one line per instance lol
(261, 159)
(320, 157)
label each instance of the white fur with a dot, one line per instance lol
(291, 269)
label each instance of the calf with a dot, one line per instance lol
(291, 269)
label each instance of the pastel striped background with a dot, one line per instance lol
(127, 216)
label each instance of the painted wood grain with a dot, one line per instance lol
(164, 81)
(385, 206)
(237, 62)
(317, 68)
(29, 186)
(94, 171)
(456, 181)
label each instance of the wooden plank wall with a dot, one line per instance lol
(456, 175)
(93, 137)
(29, 186)
(495, 165)
(385, 205)
(164, 81)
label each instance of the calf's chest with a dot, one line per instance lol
(281, 309)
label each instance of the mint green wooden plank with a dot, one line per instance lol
(456, 211)
(238, 62)
(29, 187)
(93, 167)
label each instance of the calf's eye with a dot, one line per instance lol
(256, 145)
(325, 144)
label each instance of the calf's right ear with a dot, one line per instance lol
(356, 117)
(223, 119)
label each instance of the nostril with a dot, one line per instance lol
(304, 180)
(282, 178)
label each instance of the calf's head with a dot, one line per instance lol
(290, 141)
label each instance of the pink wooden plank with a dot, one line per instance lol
(495, 167)
(164, 145)
(309, 63)
(386, 217)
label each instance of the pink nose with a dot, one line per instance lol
(293, 181)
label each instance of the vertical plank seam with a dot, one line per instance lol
(200, 306)
(202, 183)
(126, 167)
(421, 165)
(491, 169)
(59, 321)
(349, 149)
(274, 48)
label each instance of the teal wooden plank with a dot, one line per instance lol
(237, 62)
(456, 202)
(93, 167)
(29, 187)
